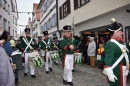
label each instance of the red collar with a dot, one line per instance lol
(119, 39)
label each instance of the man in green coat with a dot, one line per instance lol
(67, 48)
(46, 46)
(116, 57)
(27, 45)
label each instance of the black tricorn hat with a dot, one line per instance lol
(45, 33)
(67, 28)
(114, 27)
(27, 30)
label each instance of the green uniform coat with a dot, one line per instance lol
(112, 52)
(23, 45)
(64, 43)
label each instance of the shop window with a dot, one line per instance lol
(65, 9)
(79, 3)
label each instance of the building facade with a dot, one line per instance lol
(36, 21)
(92, 16)
(48, 17)
(9, 16)
(15, 18)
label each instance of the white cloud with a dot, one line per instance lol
(24, 6)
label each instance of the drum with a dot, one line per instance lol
(78, 57)
(35, 60)
(54, 55)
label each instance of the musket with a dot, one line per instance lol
(73, 28)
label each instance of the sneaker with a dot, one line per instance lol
(64, 82)
(70, 83)
(33, 76)
(47, 72)
(51, 69)
(25, 74)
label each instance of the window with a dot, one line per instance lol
(65, 9)
(48, 26)
(51, 22)
(55, 19)
(8, 26)
(79, 3)
(48, 3)
(41, 12)
(45, 7)
(15, 21)
(5, 5)
(13, 32)
(9, 8)
(45, 26)
(51, 1)
(5, 24)
(0, 2)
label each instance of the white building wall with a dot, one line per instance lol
(9, 26)
(46, 16)
(95, 13)
(15, 20)
(6, 15)
(120, 15)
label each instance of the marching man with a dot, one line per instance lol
(46, 45)
(116, 57)
(67, 47)
(26, 45)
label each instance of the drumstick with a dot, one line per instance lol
(56, 47)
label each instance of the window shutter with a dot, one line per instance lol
(60, 12)
(68, 7)
(75, 4)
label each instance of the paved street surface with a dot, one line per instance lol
(84, 76)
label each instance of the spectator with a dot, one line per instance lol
(92, 51)
(6, 72)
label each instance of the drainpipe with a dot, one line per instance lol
(57, 18)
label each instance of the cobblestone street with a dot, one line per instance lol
(84, 76)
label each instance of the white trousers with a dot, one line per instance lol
(26, 55)
(48, 64)
(68, 66)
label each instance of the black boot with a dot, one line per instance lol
(47, 72)
(70, 83)
(33, 76)
(51, 69)
(25, 74)
(64, 82)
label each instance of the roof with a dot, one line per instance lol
(35, 6)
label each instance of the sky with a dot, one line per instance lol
(24, 6)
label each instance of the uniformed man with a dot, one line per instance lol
(116, 56)
(67, 47)
(46, 46)
(37, 45)
(55, 41)
(26, 46)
